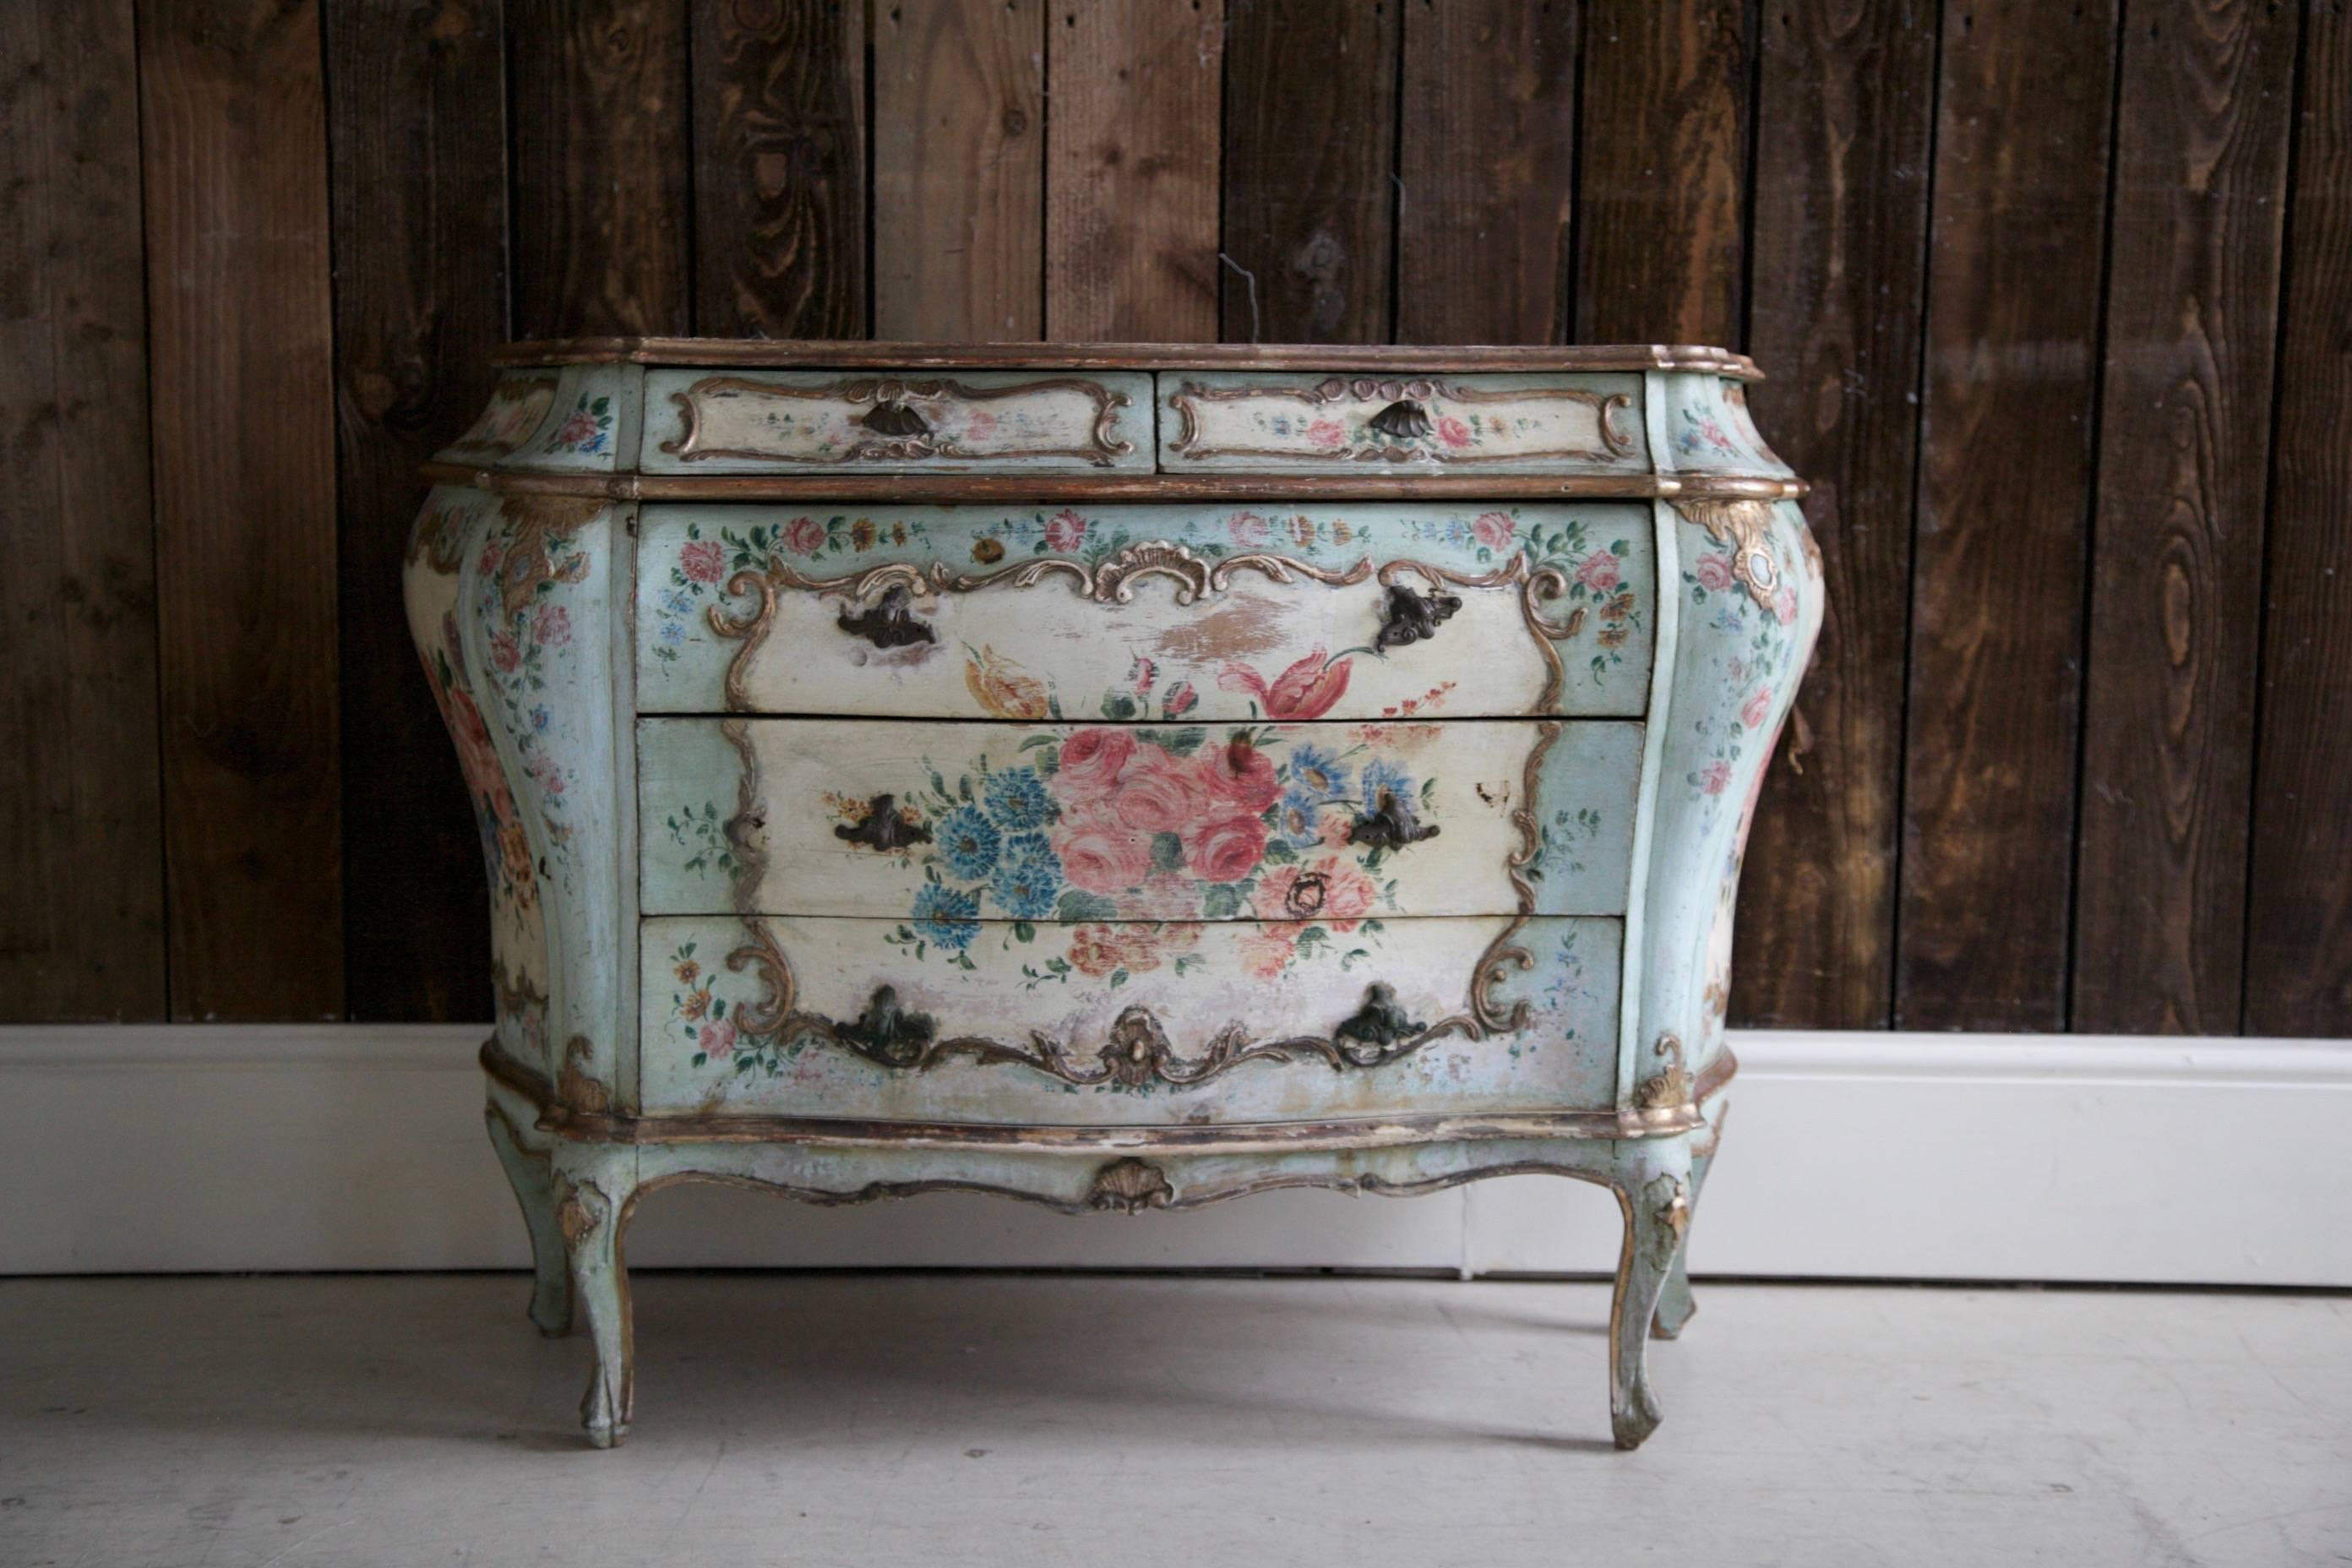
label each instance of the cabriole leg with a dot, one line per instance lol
(1654, 1189)
(531, 1170)
(1675, 1303)
(590, 1217)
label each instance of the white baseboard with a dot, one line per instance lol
(1852, 1155)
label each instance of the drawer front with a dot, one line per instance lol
(702, 421)
(922, 823)
(1108, 1024)
(1218, 613)
(1335, 423)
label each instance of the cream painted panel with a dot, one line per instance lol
(706, 421)
(1146, 612)
(1136, 822)
(1300, 423)
(779, 1016)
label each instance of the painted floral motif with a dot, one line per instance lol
(1567, 997)
(522, 566)
(517, 406)
(587, 430)
(506, 849)
(1761, 642)
(704, 831)
(1699, 433)
(1101, 824)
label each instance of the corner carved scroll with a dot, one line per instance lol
(1670, 1088)
(1744, 527)
(1136, 1053)
(895, 432)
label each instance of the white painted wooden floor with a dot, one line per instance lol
(1122, 1422)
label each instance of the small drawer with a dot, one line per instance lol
(1336, 424)
(1201, 613)
(1108, 1024)
(795, 422)
(899, 821)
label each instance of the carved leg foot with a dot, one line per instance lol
(590, 1219)
(1675, 1303)
(1654, 1189)
(532, 1172)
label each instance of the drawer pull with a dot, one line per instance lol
(1413, 617)
(887, 623)
(887, 1033)
(1373, 1034)
(1404, 420)
(1389, 825)
(891, 418)
(884, 827)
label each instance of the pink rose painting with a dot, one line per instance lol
(1224, 850)
(1065, 530)
(718, 1039)
(1599, 573)
(1248, 528)
(1492, 528)
(702, 560)
(803, 536)
(1326, 434)
(1713, 572)
(1453, 432)
(1784, 604)
(552, 627)
(1757, 707)
(1090, 764)
(1715, 775)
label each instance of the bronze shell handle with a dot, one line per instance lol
(1404, 420)
(1410, 618)
(1389, 825)
(886, 1032)
(892, 418)
(883, 827)
(888, 622)
(1372, 1035)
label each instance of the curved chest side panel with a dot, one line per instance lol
(1148, 612)
(899, 821)
(1125, 1024)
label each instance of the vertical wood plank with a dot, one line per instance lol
(599, 130)
(416, 128)
(1845, 96)
(2014, 244)
(958, 169)
(81, 863)
(2176, 572)
(1486, 166)
(1132, 170)
(2299, 911)
(233, 132)
(1664, 171)
(1310, 172)
(780, 167)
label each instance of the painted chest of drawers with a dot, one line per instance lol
(1121, 779)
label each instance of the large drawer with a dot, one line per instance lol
(1202, 613)
(1332, 424)
(700, 421)
(1109, 1024)
(899, 821)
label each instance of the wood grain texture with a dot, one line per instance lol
(780, 167)
(1665, 168)
(1132, 170)
(82, 864)
(1847, 96)
(2014, 247)
(2176, 580)
(419, 225)
(241, 378)
(958, 169)
(2299, 909)
(1486, 164)
(1309, 187)
(599, 122)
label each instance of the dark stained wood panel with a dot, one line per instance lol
(600, 125)
(2014, 269)
(242, 384)
(1485, 174)
(416, 133)
(1131, 166)
(1845, 102)
(82, 860)
(1309, 171)
(2177, 564)
(780, 167)
(2299, 907)
(1665, 166)
(958, 169)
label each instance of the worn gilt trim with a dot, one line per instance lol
(880, 447)
(1615, 443)
(1743, 528)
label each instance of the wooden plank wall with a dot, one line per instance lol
(2057, 303)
